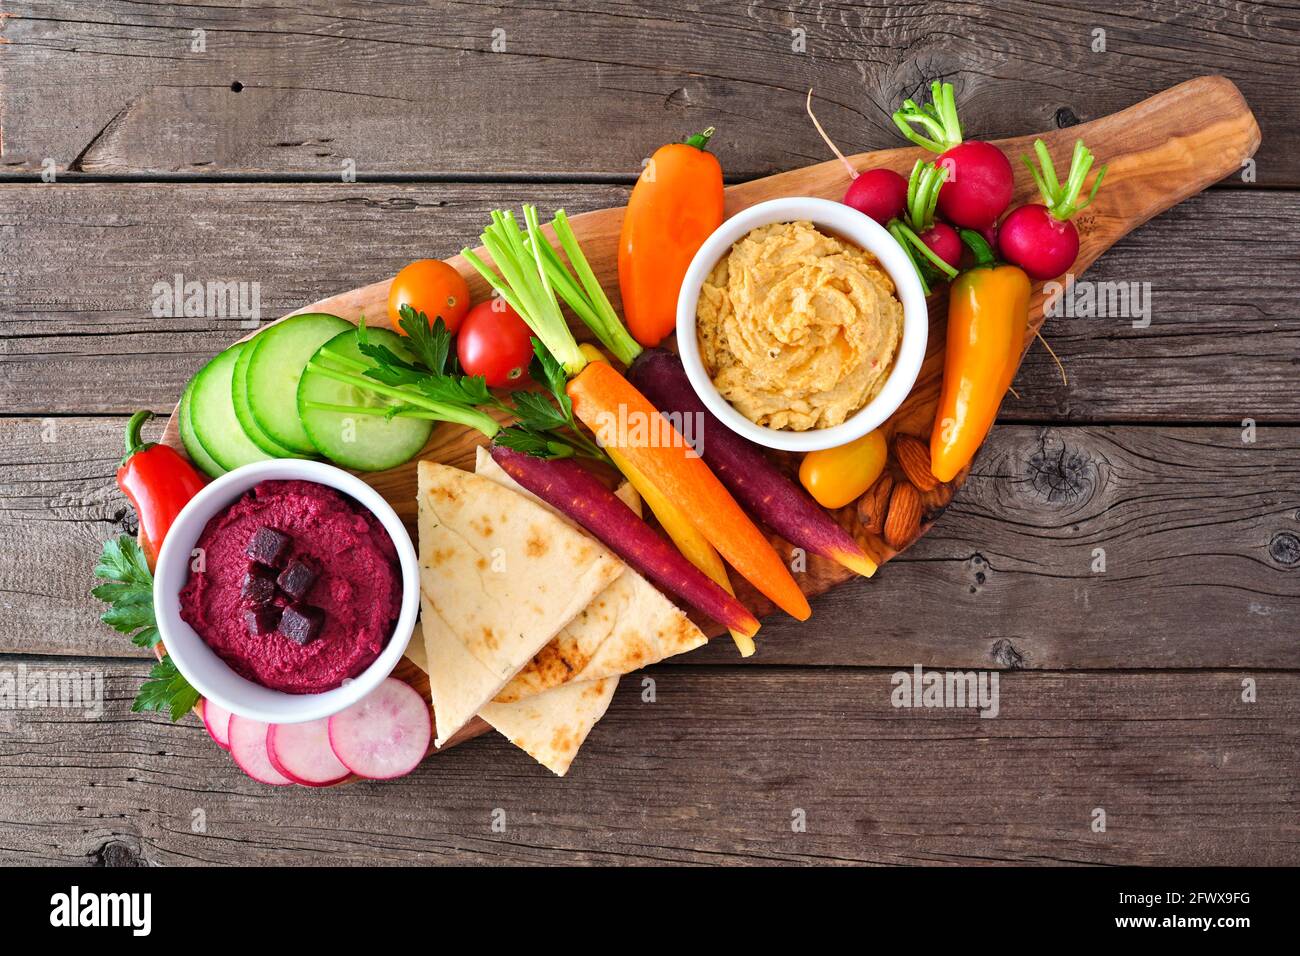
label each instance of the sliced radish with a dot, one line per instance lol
(248, 748)
(384, 735)
(217, 721)
(302, 753)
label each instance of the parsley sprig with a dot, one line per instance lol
(128, 588)
(431, 384)
(545, 426)
(166, 689)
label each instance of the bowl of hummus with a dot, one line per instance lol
(286, 590)
(801, 324)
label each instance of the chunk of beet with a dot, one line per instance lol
(263, 620)
(301, 623)
(259, 585)
(296, 579)
(269, 546)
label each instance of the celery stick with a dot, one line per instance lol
(524, 284)
(611, 331)
(470, 417)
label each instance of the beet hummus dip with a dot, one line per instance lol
(338, 594)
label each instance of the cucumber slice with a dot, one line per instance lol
(280, 353)
(363, 442)
(213, 414)
(193, 447)
(239, 396)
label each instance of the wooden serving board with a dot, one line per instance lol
(1159, 152)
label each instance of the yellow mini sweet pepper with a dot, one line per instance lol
(988, 320)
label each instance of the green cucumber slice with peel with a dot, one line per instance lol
(212, 413)
(202, 459)
(280, 353)
(347, 424)
(239, 396)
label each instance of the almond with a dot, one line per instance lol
(875, 503)
(913, 456)
(903, 521)
(937, 498)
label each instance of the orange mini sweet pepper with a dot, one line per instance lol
(675, 205)
(988, 320)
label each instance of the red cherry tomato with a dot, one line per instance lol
(432, 287)
(494, 342)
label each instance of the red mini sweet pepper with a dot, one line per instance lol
(158, 481)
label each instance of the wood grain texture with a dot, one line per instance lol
(1222, 307)
(1202, 532)
(113, 86)
(709, 773)
(1201, 535)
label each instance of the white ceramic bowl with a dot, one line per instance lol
(200, 665)
(848, 224)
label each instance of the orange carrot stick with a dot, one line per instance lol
(623, 418)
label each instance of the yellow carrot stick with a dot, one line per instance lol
(602, 398)
(693, 545)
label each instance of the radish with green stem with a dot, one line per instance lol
(980, 180)
(934, 247)
(906, 208)
(880, 194)
(1039, 237)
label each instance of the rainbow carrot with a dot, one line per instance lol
(693, 545)
(622, 418)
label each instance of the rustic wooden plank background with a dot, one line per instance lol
(1120, 689)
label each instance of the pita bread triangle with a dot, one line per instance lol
(550, 727)
(501, 576)
(630, 625)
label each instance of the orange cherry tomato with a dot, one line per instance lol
(837, 476)
(432, 287)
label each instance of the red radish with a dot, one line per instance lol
(979, 186)
(878, 193)
(1040, 238)
(216, 720)
(1040, 244)
(302, 753)
(385, 734)
(745, 469)
(578, 494)
(248, 748)
(933, 247)
(990, 235)
(980, 180)
(943, 241)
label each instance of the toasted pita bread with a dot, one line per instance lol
(629, 626)
(501, 576)
(415, 651)
(550, 727)
(458, 683)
